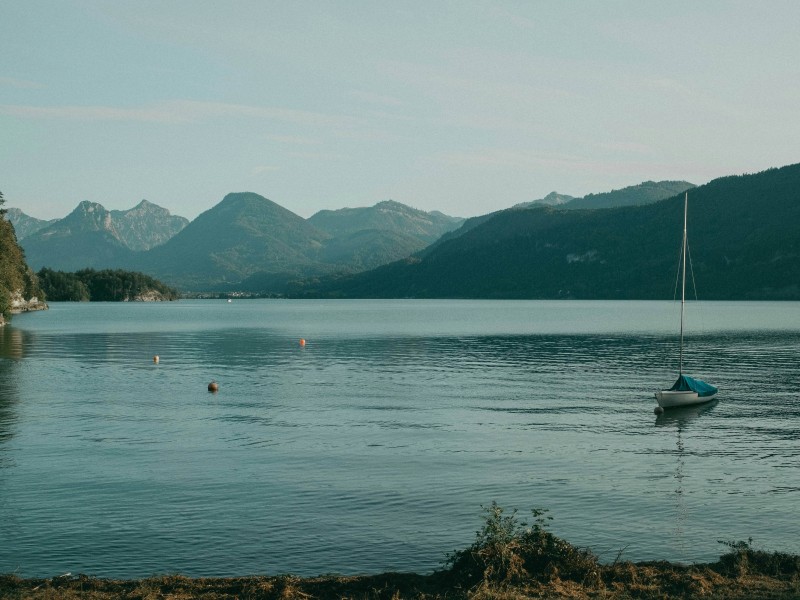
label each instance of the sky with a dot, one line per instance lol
(462, 106)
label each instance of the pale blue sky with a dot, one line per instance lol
(464, 106)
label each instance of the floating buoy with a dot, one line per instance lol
(658, 410)
(302, 343)
(155, 359)
(213, 386)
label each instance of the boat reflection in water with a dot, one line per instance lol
(680, 418)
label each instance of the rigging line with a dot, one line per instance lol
(691, 269)
(694, 287)
(677, 274)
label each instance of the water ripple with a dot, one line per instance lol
(374, 447)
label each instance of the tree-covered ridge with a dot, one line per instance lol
(103, 286)
(18, 284)
(646, 192)
(743, 237)
(389, 216)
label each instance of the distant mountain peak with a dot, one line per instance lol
(388, 216)
(552, 199)
(392, 205)
(144, 206)
(146, 225)
(646, 192)
(234, 197)
(25, 225)
(87, 216)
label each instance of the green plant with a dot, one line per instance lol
(743, 559)
(508, 551)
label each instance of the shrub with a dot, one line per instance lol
(507, 551)
(744, 560)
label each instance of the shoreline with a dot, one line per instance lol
(506, 562)
(619, 581)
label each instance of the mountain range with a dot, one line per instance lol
(93, 237)
(244, 242)
(744, 244)
(556, 247)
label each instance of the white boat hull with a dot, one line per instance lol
(673, 398)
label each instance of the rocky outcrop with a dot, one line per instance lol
(146, 225)
(149, 296)
(20, 304)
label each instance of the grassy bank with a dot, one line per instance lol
(509, 560)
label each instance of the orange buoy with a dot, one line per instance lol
(213, 386)
(302, 343)
(156, 359)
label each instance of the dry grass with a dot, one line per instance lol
(622, 581)
(507, 561)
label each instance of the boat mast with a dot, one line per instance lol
(683, 283)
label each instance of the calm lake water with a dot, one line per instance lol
(373, 447)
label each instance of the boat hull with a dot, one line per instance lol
(674, 398)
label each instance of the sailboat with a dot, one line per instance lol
(686, 390)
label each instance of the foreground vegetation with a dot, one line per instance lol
(509, 560)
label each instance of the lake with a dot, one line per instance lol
(373, 447)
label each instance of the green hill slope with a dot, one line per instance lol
(634, 195)
(388, 216)
(743, 234)
(242, 235)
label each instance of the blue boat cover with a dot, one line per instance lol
(686, 383)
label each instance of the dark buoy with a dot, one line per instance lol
(213, 386)
(658, 410)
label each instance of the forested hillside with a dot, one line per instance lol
(103, 286)
(646, 192)
(743, 235)
(242, 235)
(18, 285)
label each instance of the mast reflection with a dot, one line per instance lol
(681, 419)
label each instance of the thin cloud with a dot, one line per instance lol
(373, 98)
(629, 147)
(555, 162)
(262, 169)
(22, 84)
(93, 113)
(295, 140)
(178, 112)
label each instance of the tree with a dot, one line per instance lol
(2, 201)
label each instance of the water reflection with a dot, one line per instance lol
(11, 342)
(11, 349)
(372, 447)
(680, 419)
